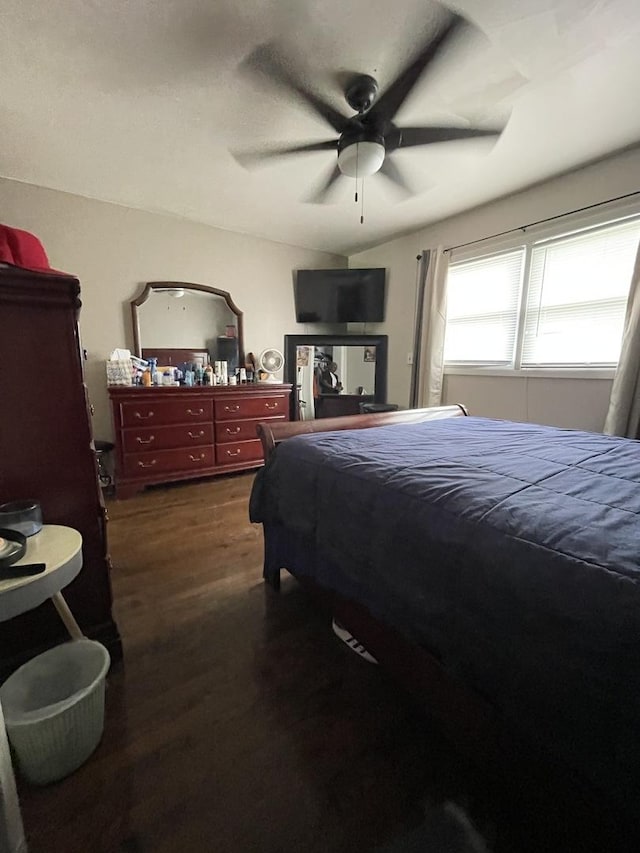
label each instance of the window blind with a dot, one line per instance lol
(482, 309)
(577, 294)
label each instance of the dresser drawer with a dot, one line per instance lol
(150, 463)
(165, 438)
(240, 451)
(252, 407)
(161, 412)
(240, 430)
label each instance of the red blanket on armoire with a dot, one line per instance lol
(23, 249)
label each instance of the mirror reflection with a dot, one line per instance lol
(173, 320)
(334, 380)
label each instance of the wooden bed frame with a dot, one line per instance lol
(467, 719)
(176, 356)
(271, 434)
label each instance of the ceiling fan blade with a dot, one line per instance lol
(320, 194)
(392, 98)
(263, 155)
(393, 173)
(408, 137)
(265, 61)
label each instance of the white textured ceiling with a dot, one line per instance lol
(139, 101)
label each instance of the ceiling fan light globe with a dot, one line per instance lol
(361, 159)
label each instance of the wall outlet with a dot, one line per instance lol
(409, 358)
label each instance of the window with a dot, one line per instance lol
(482, 309)
(551, 303)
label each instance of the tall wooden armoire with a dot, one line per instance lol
(46, 451)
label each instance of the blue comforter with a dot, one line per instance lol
(510, 551)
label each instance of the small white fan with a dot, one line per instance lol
(270, 361)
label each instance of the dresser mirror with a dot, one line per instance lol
(178, 322)
(333, 375)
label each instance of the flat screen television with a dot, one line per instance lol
(340, 296)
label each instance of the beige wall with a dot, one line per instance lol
(579, 403)
(113, 250)
(569, 403)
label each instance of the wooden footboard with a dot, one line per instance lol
(271, 434)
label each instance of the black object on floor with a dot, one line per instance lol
(377, 408)
(103, 448)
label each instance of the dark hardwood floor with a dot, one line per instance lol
(238, 722)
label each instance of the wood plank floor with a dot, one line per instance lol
(238, 722)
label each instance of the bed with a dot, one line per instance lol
(508, 553)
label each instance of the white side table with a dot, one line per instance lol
(60, 548)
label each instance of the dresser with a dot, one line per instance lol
(172, 433)
(46, 452)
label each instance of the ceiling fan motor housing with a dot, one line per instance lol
(361, 92)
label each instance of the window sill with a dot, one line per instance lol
(533, 372)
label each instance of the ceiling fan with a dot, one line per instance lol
(368, 139)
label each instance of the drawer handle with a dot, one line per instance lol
(235, 408)
(196, 435)
(233, 431)
(196, 458)
(142, 417)
(147, 464)
(271, 406)
(195, 412)
(145, 440)
(235, 452)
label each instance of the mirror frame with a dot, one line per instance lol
(150, 286)
(291, 342)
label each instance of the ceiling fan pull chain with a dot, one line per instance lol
(362, 207)
(357, 152)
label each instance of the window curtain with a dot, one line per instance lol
(623, 417)
(430, 326)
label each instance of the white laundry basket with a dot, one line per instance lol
(54, 709)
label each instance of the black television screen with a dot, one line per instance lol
(340, 296)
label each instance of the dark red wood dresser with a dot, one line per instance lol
(176, 433)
